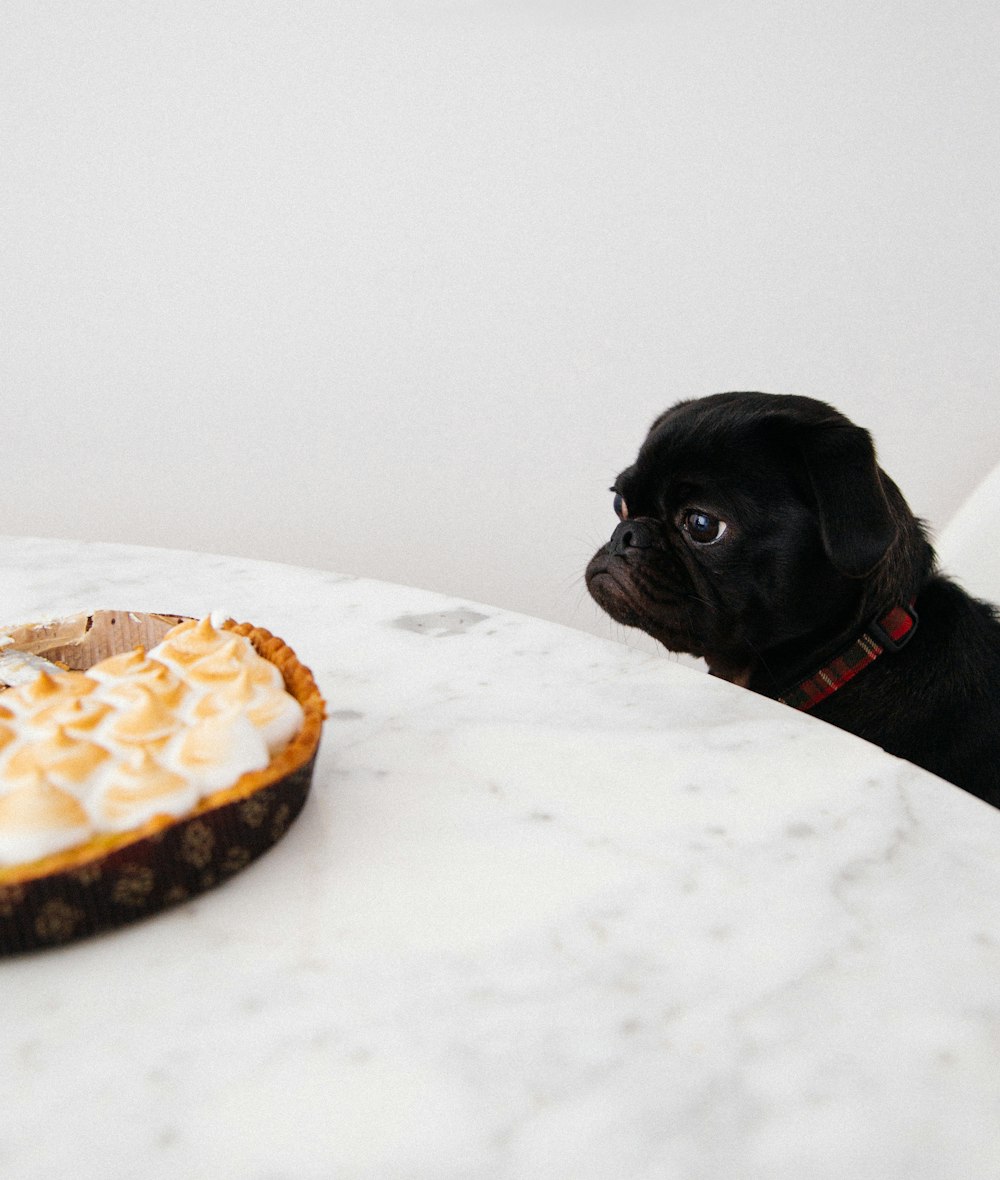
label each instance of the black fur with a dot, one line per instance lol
(818, 542)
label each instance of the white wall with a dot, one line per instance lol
(396, 288)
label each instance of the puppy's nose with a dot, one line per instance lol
(630, 534)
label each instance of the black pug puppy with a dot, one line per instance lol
(758, 531)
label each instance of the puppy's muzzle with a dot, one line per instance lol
(630, 534)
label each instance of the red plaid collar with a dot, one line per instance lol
(891, 632)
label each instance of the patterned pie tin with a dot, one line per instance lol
(112, 880)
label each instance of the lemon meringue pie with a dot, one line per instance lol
(145, 758)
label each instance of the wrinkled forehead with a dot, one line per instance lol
(720, 422)
(697, 446)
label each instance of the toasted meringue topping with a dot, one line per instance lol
(137, 790)
(232, 694)
(140, 734)
(37, 804)
(215, 752)
(80, 716)
(127, 663)
(46, 689)
(273, 712)
(190, 641)
(167, 690)
(37, 818)
(145, 718)
(123, 672)
(277, 717)
(219, 666)
(20, 667)
(65, 760)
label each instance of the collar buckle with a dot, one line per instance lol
(894, 630)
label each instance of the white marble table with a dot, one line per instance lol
(555, 908)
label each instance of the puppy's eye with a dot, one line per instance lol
(703, 528)
(621, 508)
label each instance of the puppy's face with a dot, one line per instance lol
(747, 522)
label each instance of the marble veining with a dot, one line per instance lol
(555, 908)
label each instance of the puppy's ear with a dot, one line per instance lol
(856, 520)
